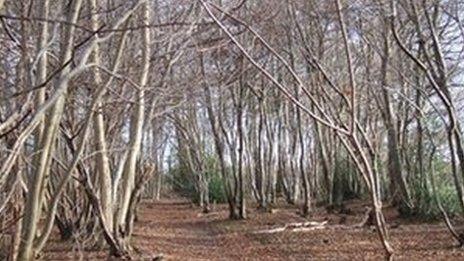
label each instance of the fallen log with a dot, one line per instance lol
(295, 227)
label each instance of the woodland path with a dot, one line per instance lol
(179, 231)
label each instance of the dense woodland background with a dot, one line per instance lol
(241, 102)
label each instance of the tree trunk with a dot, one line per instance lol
(34, 197)
(137, 122)
(103, 166)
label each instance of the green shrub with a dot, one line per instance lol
(346, 184)
(216, 188)
(182, 181)
(425, 206)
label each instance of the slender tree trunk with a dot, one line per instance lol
(34, 197)
(241, 176)
(219, 147)
(41, 67)
(398, 186)
(137, 122)
(103, 165)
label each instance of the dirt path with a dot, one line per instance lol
(177, 230)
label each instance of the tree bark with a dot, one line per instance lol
(137, 122)
(34, 197)
(103, 166)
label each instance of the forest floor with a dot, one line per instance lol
(177, 230)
